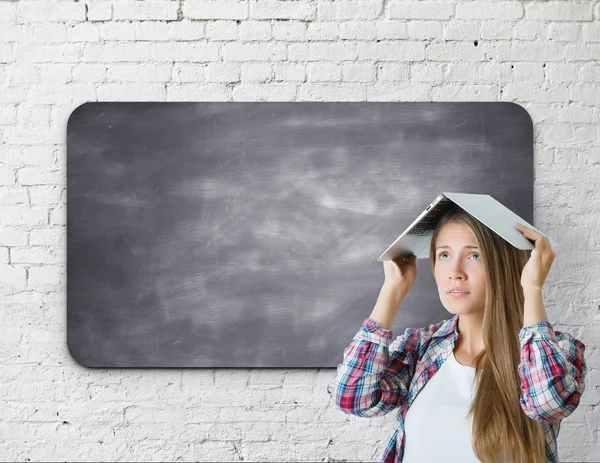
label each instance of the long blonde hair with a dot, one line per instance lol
(499, 423)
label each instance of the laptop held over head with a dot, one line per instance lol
(416, 239)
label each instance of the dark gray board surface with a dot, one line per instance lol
(245, 234)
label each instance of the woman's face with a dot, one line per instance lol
(458, 264)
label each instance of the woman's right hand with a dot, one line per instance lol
(400, 273)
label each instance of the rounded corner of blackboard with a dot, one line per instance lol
(76, 357)
(522, 109)
(79, 109)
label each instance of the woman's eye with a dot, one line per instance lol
(474, 254)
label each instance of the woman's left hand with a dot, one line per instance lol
(537, 267)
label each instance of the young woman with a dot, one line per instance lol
(493, 382)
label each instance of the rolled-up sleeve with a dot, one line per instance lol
(552, 372)
(375, 373)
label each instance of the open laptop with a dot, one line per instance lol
(416, 238)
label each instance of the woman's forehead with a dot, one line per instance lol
(455, 235)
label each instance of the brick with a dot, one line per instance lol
(581, 52)
(253, 52)
(30, 115)
(458, 72)
(357, 30)
(281, 10)
(45, 196)
(116, 52)
(520, 91)
(190, 72)
(270, 92)
(558, 32)
(398, 92)
(8, 12)
(58, 216)
(256, 72)
(462, 31)
(192, 30)
(194, 91)
(222, 30)
(496, 30)
(35, 176)
(425, 30)
(30, 12)
(559, 11)
(255, 31)
(591, 32)
(420, 10)
(8, 114)
(55, 73)
(518, 51)
(355, 72)
(44, 34)
(530, 30)
(115, 32)
(488, 10)
(331, 51)
(131, 92)
(289, 31)
(199, 9)
(10, 32)
(392, 72)
(9, 193)
(47, 278)
(589, 72)
(396, 51)
(427, 72)
(222, 72)
(456, 52)
(290, 72)
(23, 216)
(84, 32)
(529, 72)
(323, 72)
(465, 93)
(98, 11)
(86, 72)
(13, 279)
(391, 30)
(344, 92)
(559, 72)
(152, 31)
(145, 11)
(7, 53)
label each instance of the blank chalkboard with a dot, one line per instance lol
(245, 234)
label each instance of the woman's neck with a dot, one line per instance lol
(470, 333)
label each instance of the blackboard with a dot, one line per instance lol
(245, 234)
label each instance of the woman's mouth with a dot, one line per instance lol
(457, 293)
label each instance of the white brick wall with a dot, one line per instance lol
(544, 55)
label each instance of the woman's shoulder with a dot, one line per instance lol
(440, 329)
(421, 336)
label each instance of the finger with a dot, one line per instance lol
(544, 244)
(531, 234)
(526, 230)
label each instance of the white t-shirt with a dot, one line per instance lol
(436, 427)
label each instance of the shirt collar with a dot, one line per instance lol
(448, 327)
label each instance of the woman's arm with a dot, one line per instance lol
(372, 381)
(552, 372)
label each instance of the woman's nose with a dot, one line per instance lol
(456, 272)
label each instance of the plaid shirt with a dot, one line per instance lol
(377, 375)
